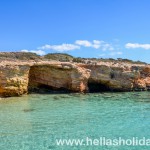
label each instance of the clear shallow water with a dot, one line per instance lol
(34, 122)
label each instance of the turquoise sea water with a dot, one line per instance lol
(34, 122)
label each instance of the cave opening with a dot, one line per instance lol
(95, 87)
(38, 84)
(46, 89)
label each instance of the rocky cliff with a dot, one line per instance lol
(17, 78)
(58, 76)
(13, 79)
(124, 77)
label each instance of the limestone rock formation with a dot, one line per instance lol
(13, 80)
(119, 78)
(18, 78)
(60, 76)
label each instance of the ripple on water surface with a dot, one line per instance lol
(36, 121)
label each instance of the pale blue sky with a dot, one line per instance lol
(85, 28)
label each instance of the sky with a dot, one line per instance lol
(82, 28)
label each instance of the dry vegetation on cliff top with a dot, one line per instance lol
(29, 58)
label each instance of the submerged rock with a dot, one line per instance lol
(28, 110)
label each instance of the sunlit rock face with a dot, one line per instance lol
(118, 78)
(63, 77)
(22, 77)
(14, 80)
